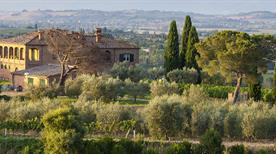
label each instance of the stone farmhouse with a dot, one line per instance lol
(25, 60)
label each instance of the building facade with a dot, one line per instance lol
(27, 51)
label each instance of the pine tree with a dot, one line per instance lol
(184, 41)
(172, 49)
(192, 53)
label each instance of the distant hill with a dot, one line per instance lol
(138, 20)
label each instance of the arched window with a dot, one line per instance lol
(1, 52)
(16, 69)
(30, 55)
(10, 53)
(16, 53)
(2, 66)
(21, 54)
(6, 52)
(126, 57)
(34, 54)
(108, 56)
(5, 67)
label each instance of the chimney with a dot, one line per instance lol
(98, 34)
(39, 35)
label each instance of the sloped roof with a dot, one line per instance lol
(21, 39)
(109, 43)
(43, 70)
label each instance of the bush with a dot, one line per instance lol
(36, 93)
(63, 131)
(232, 125)
(124, 70)
(212, 142)
(102, 88)
(237, 149)
(110, 116)
(183, 76)
(163, 87)
(20, 145)
(73, 86)
(167, 116)
(183, 148)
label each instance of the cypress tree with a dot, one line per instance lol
(274, 85)
(192, 52)
(172, 48)
(255, 89)
(184, 41)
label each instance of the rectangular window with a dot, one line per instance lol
(42, 82)
(30, 81)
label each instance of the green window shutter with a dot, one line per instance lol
(30, 81)
(42, 82)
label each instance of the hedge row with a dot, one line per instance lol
(216, 91)
(124, 146)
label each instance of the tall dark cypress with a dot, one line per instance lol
(192, 53)
(184, 41)
(274, 86)
(191, 50)
(172, 48)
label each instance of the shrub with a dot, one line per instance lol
(232, 125)
(130, 146)
(124, 70)
(109, 116)
(237, 149)
(198, 149)
(102, 88)
(136, 89)
(212, 142)
(155, 73)
(167, 116)
(73, 86)
(163, 87)
(183, 76)
(63, 131)
(183, 148)
(195, 94)
(20, 145)
(150, 151)
(36, 93)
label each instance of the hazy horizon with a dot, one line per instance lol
(195, 6)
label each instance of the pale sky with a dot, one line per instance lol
(197, 6)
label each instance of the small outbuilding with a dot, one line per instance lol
(43, 75)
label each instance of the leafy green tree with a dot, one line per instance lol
(234, 55)
(63, 132)
(184, 41)
(172, 48)
(192, 53)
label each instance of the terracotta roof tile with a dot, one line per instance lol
(21, 39)
(109, 43)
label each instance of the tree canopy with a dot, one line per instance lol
(184, 41)
(236, 55)
(172, 49)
